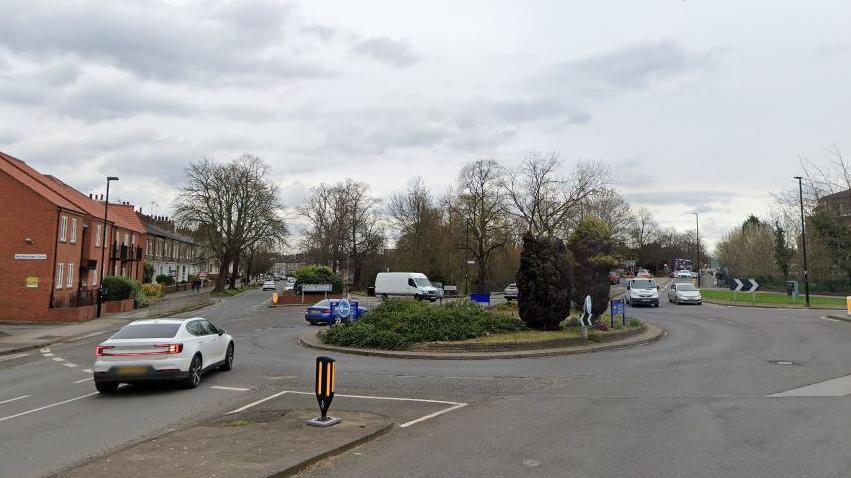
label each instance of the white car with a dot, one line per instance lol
(162, 350)
(270, 285)
(642, 291)
(683, 274)
(684, 293)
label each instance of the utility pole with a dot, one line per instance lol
(467, 260)
(103, 243)
(804, 240)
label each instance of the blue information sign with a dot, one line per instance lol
(344, 308)
(617, 307)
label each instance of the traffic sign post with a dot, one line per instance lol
(618, 309)
(325, 370)
(585, 318)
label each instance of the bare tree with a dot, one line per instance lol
(413, 215)
(230, 206)
(361, 223)
(481, 204)
(547, 204)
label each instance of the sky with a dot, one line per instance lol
(694, 105)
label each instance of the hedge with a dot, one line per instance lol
(315, 274)
(396, 324)
(165, 280)
(120, 287)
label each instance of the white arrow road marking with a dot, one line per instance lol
(837, 387)
(63, 402)
(14, 399)
(12, 357)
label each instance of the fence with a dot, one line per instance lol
(168, 305)
(73, 298)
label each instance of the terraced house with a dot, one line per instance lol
(169, 251)
(51, 242)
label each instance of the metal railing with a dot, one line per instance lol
(73, 298)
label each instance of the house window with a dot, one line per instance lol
(60, 268)
(94, 277)
(70, 282)
(98, 234)
(126, 239)
(63, 228)
(73, 230)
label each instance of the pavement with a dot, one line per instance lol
(730, 392)
(17, 338)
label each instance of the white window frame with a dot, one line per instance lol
(60, 269)
(73, 230)
(94, 277)
(63, 228)
(98, 237)
(70, 282)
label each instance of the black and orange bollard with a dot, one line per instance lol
(325, 371)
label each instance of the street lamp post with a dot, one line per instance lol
(103, 242)
(467, 260)
(804, 240)
(697, 235)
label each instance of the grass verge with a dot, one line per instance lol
(773, 298)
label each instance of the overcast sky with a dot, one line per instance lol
(695, 105)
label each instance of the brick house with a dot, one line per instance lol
(169, 251)
(51, 245)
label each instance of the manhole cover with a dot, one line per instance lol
(782, 362)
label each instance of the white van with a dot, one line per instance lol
(642, 291)
(410, 284)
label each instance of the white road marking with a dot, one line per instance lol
(258, 402)
(12, 357)
(14, 399)
(58, 359)
(86, 370)
(45, 350)
(84, 380)
(47, 406)
(432, 415)
(233, 389)
(830, 320)
(836, 387)
(70, 365)
(48, 354)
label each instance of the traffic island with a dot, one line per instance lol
(247, 444)
(503, 349)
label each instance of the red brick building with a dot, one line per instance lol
(51, 245)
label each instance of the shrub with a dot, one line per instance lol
(591, 244)
(397, 324)
(543, 282)
(120, 288)
(165, 280)
(152, 291)
(633, 323)
(315, 274)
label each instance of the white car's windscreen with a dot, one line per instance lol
(643, 284)
(147, 331)
(686, 287)
(422, 282)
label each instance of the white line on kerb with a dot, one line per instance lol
(12, 357)
(47, 406)
(455, 405)
(233, 389)
(14, 399)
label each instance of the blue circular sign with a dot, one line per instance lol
(344, 308)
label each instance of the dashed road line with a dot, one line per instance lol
(70, 365)
(232, 389)
(12, 357)
(58, 359)
(14, 399)
(48, 354)
(63, 402)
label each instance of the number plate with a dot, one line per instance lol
(132, 371)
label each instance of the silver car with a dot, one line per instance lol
(684, 293)
(511, 292)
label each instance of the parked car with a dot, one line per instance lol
(162, 349)
(684, 293)
(510, 292)
(320, 312)
(410, 284)
(614, 278)
(642, 291)
(269, 285)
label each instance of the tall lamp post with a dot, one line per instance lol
(697, 235)
(804, 240)
(103, 242)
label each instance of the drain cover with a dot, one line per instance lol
(782, 362)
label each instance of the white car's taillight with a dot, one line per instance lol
(100, 350)
(171, 348)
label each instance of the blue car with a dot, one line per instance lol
(320, 312)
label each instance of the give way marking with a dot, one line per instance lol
(453, 405)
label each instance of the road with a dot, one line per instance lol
(695, 403)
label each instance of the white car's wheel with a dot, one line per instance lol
(195, 371)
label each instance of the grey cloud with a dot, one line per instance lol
(95, 101)
(538, 109)
(632, 67)
(699, 201)
(395, 53)
(168, 44)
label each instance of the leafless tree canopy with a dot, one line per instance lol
(232, 207)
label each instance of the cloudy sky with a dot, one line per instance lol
(695, 105)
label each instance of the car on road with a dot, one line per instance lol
(642, 291)
(320, 312)
(410, 284)
(180, 350)
(643, 274)
(510, 292)
(683, 274)
(684, 293)
(269, 285)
